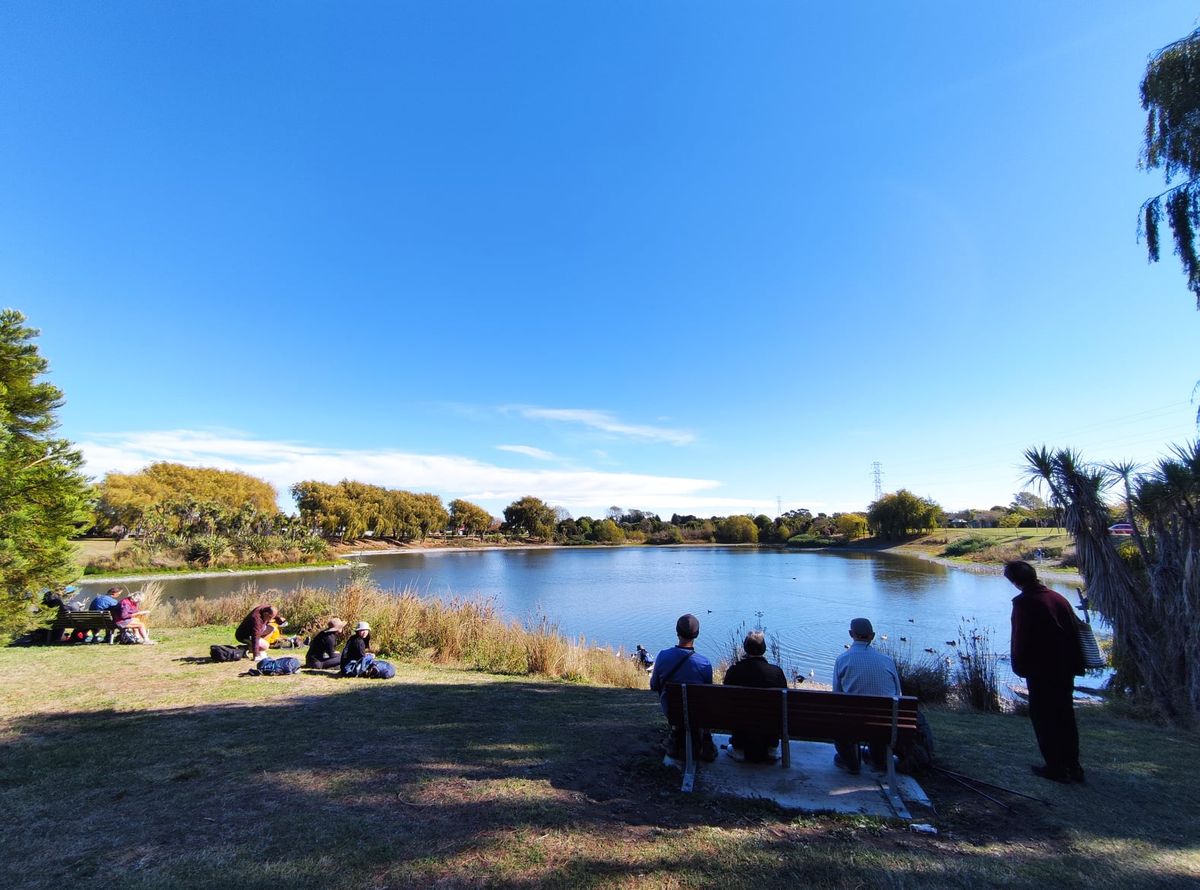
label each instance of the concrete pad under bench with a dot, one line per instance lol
(812, 783)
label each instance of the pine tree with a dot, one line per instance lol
(43, 494)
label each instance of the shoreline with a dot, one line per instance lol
(1050, 574)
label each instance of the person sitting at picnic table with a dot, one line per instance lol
(256, 629)
(861, 670)
(127, 614)
(322, 651)
(682, 664)
(754, 670)
(358, 646)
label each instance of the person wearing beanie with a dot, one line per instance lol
(1046, 652)
(683, 664)
(755, 671)
(860, 670)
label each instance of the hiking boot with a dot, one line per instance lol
(1054, 775)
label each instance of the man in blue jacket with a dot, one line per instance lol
(683, 664)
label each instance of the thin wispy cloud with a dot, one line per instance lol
(284, 463)
(607, 422)
(527, 450)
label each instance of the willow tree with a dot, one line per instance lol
(1147, 587)
(1171, 98)
(42, 492)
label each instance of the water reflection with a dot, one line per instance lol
(625, 596)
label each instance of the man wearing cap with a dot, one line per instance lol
(683, 664)
(860, 670)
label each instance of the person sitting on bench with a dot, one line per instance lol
(255, 630)
(128, 614)
(682, 664)
(860, 670)
(105, 601)
(323, 650)
(754, 670)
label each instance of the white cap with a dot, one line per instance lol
(362, 625)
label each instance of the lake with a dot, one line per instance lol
(622, 596)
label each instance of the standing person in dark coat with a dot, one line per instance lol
(1046, 652)
(754, 670)
(323, 651)
(255, 628)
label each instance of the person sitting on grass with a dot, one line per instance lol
(754, 670)
(255, 630)
(323, 651)
(682, 664)
(860, 670)
(127, 614)
(358, 646)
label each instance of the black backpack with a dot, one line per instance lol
(226, 653)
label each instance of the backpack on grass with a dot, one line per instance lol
(380, 670)
(276, 667)
(227, 653)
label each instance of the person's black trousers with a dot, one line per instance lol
(1052, 712)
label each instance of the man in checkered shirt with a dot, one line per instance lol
(860, 670)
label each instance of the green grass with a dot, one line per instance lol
(148, 767)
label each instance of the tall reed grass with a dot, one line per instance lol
(975, 677)
(405, 626)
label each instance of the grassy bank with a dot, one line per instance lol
(456, 778)
(463, 633)
(986, 548)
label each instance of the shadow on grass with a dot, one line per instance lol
(393, 784)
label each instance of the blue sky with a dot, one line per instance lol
(690, 257)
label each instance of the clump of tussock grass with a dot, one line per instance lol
(925, 676)
(463, 632)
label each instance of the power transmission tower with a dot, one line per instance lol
(877, 472)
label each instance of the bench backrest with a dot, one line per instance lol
(83, 615)
(810, 714)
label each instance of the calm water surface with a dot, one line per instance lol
(625, 596)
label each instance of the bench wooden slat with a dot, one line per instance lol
(81, 619)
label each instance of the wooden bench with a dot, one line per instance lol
(82, 620)
(791, 714)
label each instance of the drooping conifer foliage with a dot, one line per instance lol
(43, 495)
(1171, 97)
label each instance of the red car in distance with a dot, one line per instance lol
(1121, 528)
